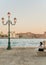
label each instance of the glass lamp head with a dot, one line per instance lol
(15, 20)
(2, 20)
(9, 14)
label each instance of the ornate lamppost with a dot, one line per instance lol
(9, 22)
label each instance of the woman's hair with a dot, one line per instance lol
(40, 43)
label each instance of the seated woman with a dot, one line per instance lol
(41, 47)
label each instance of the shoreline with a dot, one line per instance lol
(19, 47)
(21, 38)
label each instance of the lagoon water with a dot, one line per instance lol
(21, 42)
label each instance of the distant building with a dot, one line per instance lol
(16, 36)
(44, 32)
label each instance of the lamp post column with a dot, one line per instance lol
(9, 46)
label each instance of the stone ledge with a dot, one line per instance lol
(41, 53)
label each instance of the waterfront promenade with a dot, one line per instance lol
(21, 56)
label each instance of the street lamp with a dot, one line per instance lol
(9, 22)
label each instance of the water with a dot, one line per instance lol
(21, 42)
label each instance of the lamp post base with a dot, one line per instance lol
(8, 48)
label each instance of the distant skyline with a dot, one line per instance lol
(30, 14)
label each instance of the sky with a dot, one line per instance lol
(30, 14)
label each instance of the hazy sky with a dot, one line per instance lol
(30, 14)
